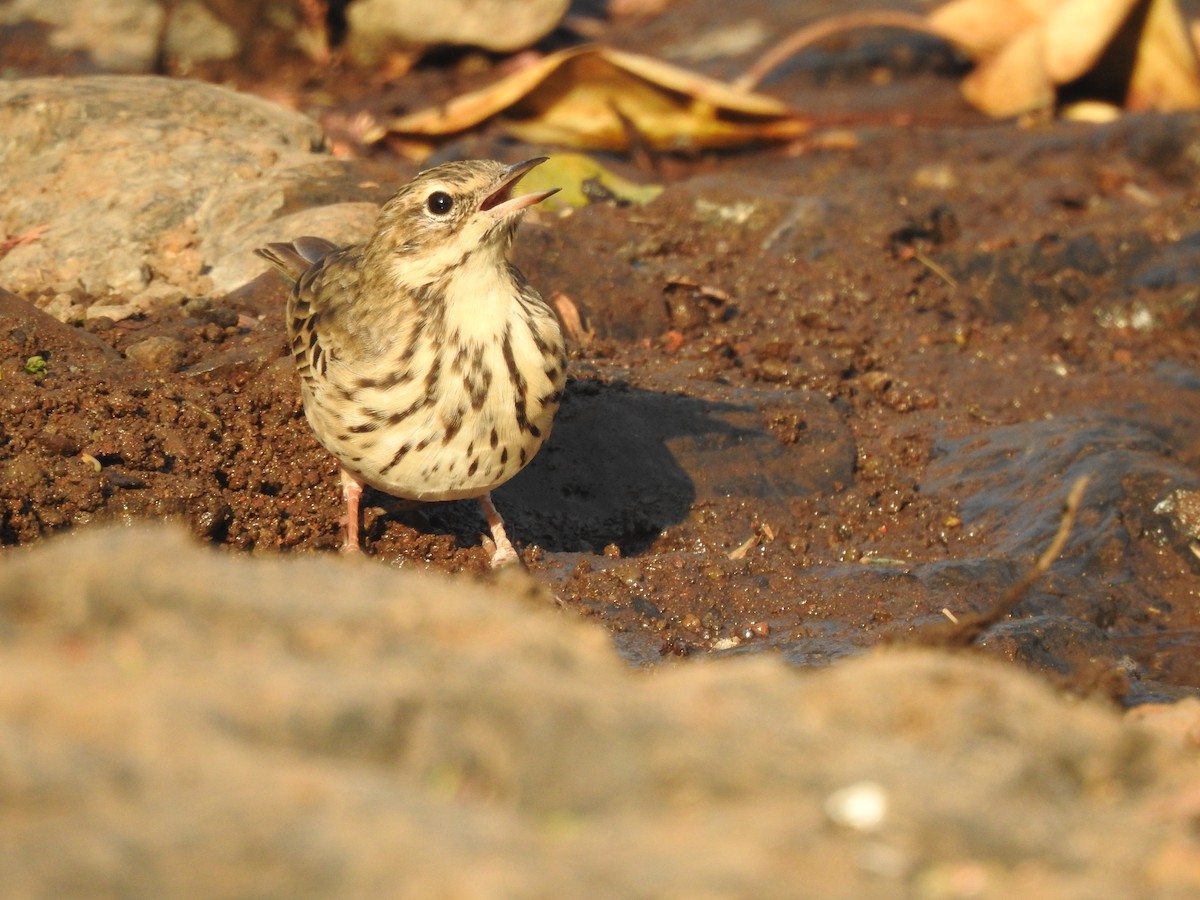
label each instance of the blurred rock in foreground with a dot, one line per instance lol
(180, 722)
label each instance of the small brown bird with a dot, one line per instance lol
(429, 367)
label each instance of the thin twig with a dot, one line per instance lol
(967, 629)
(28, 237)
(934, 268)
(810, 34)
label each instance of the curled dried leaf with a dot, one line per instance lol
(599, 98)
(1137, 53)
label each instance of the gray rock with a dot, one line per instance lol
(235, 262)
(142, 178)
(376, 26)
(116, 35)
(194, 34)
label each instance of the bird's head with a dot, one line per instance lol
(450, 213)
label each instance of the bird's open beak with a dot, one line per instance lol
(501, 202)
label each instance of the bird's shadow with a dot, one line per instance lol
(623, 463)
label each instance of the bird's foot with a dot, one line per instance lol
(351, 492)
(503, 552)
(350, 547)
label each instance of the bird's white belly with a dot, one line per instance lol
(453, 440)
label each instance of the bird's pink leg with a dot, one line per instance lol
(352, 490)
(504, 552)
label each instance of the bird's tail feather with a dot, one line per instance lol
(294, 258)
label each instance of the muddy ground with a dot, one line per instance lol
(833, 397)
(837, 391)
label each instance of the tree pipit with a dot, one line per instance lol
(429, 367)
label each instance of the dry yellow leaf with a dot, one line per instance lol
(603, 99)
(1165, 76)
(582, 180)
(1025, 50)
(981, 28)
(1136, 53)
(1077, 33)
(1014, 80)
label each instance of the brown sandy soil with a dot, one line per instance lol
(836, 395)
(832, 393)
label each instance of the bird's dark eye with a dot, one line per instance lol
(439, 203)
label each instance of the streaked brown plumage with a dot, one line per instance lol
(428, 366)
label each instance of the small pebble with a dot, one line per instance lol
(65, 307)
(160, 354)
(862, 806)
(1182, 507)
